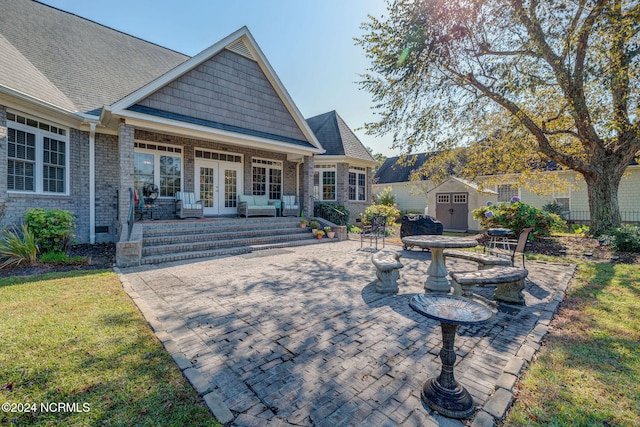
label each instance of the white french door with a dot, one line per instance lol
(217, 185)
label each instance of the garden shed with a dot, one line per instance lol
(453, 202)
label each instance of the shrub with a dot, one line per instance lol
(391, 212)
(17, 247)
(518, 215)
(626, 238)
(385, 197)
(60, 258)
(580, 229)
(53, 228)
(553, 208)
(353, 229)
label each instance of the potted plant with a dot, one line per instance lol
(314, 225)
(303, 223)
(318, 234)
(330, 234)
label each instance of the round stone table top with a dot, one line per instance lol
(451, 309)
(437, 241)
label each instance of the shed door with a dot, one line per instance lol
(452, 209)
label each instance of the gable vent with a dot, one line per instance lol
(241, 48)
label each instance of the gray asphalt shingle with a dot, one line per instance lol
(90, 64)
(336, 137)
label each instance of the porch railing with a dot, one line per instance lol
(330, 213)
(130, 215)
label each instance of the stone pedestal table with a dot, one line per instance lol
(437, 280)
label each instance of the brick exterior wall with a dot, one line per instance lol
(107, 185)
(228, 89)
(307, 185)
(125, 172)
(188, 155)
(78, 199)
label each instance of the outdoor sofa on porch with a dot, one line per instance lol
(249, 205)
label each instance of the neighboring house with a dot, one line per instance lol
(88, 112)
(410, 195)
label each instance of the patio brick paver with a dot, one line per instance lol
(299, 336)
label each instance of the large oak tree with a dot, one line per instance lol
(522, 83)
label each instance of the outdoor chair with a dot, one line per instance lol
(187, 206)
(519, 246)
(377, 230)
(143, 205)
(289, 206)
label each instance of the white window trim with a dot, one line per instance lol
(321, 168)
(156, 162)
(39, 150)
(268, 164)
(510, 184)
(358, 171)
(563, 195)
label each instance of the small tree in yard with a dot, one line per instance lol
(526, 85)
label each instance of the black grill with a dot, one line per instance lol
(419, 225)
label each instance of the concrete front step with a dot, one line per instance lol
(166, 241)
(220, 244)
(166, 228)
(223, 234)
(236, 250)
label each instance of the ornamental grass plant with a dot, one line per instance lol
(17, 247)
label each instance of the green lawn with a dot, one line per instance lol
(77, 339)
(588, 373)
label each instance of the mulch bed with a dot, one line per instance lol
(98, 256)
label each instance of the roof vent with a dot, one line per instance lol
(241, 48)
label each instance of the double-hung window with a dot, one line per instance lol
(160, 165)
(357, 180)
(267, 178)
(506, 192)
(324, 183)
(562, 197)
(37, 156)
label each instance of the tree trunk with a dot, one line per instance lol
(602, 189)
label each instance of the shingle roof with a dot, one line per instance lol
(337, 138)
(391, 171)
(79, 65)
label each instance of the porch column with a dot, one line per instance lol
(307, 186)
(125, 157)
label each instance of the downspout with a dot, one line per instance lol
(92, 183)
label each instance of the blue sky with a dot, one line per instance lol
(308, 43)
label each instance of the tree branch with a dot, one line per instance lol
(540, 136)
(572, 89)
